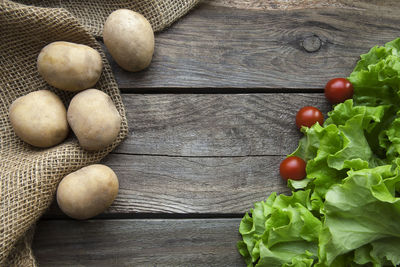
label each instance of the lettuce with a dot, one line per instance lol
(361, 211)
(281, 232)
(346, 212)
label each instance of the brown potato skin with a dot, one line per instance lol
(69, 66)
(129, 38)
(87, 192)
(39, 118)
(94, 119)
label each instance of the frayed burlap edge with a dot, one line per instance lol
(29, 176)
(93, 13)
(21, 254)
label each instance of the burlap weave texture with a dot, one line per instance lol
(29, 176)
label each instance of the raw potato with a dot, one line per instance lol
(70, 66)
(129, 38)
(39, 118)
(94, 119)
(87, 192)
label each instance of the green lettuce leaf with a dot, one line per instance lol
(346, 212)
(360, 211)
(341, 145)
(282, 230)
(376, 77)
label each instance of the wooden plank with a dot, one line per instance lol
(193, 185)
(190, 185)
(215, 125)
(276, 4)
(379, 6)
(189, 242)
(203, 154)
(224, 47)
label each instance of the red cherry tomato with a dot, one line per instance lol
(338, 90)
(308, 116)
(293, 168)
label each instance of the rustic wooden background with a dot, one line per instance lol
(210, 121)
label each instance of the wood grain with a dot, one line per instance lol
(200, 125)
(379, 6)
(199, 242)
(203, 154)
(193, 185)
(190, 185)
(214, 155)
(217, 47)
(275, 4)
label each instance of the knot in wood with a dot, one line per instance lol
(311, 43)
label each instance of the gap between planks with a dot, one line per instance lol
(219, 90)
(201, 157)
(149, 216)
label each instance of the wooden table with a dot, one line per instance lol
(210, 121)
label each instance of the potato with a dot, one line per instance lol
(94, 119)
(39, 118)
(129, 38)
(70, 66)
(87, 192)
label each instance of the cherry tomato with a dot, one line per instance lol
(338, 90)
(308, 116)
(293, 168)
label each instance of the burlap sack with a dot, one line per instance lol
(29, 176)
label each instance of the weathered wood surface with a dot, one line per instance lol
(223, 185)
(276, 4)
(215, 125)
(254, 48)
(188, 242)
(204, 154)
(381, 6)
